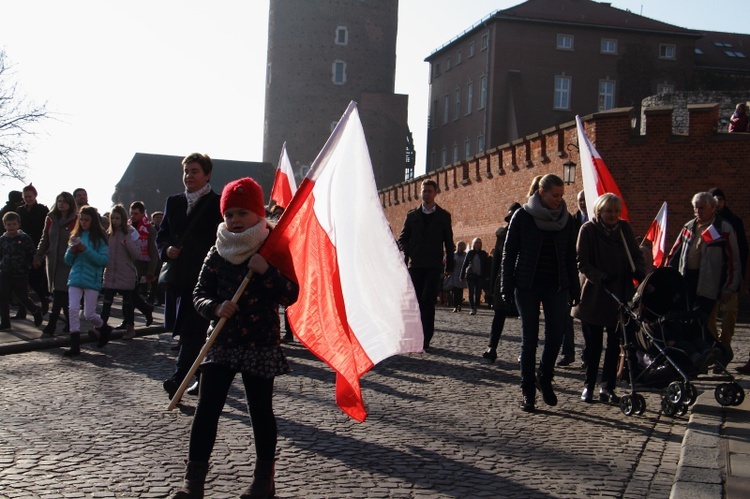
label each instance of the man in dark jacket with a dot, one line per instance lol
(33, 216)
(427, 230)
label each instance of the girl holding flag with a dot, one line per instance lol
(249, 342)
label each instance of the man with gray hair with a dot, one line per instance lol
(707, 255)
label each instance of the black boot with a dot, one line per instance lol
(263, 486)
(104, 333)
(194, 389)
(75, 345)
(51, 327)
(195, 480)
(38, 318)
(544, 383)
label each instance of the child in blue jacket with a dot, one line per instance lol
(87, 255)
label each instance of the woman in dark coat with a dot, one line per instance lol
(196, 209)
(539, 270)
(608, 260)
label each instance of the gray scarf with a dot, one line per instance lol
(544, 218)
(238, 247)
(194, 197)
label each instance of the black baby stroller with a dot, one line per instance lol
(667, 345)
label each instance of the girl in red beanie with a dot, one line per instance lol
(249, 342)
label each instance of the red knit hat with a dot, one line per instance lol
(243, 193)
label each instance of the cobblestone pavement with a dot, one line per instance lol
(440, 425)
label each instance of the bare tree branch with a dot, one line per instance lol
(18, 119)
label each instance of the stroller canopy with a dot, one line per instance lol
(661, 292)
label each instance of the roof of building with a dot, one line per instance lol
(576, 12)
(724, 51)
(152, 177)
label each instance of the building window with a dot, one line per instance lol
(459, 57)
(434, 115)
(664, 88)
(469, 97)
(446, 108)
(457, 104)
(436, 69)
(268, 74)
(609, 46)
(485, 41)
(448, 64)
(471, 49)
(443, 156)
(734, 53)
(562, 92)
(480, 144)
(606, 95)
(342, 36)
(339, 72)
(667, 51)
(482, 92)
(698, 51)
(455, 152)
(467, 149)
(564, 42)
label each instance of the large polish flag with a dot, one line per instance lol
(657, 235)
(284, 185)
(357, 305)
(596, 177)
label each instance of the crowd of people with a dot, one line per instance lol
(575, 266)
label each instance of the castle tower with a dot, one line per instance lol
(321, 55)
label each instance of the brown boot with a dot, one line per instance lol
(263, 486)
(195, 479)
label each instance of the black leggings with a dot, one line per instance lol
(215, 383)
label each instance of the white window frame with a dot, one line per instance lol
(480, 144)
(334, 69)
(485, 41)
(469, 97)
(337, 39)
(448, 63)
(482, 91)
(444, 156)
(608, 46)
(665, 49)
(459, 56)
(565, 41)
(606, 95)
(562, 93)
(467, 148)
(446, 108)
(455, 152)
(457, 104)
(472, 49)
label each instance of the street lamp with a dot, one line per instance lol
(569, 167)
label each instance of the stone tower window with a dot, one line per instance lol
(342, 36)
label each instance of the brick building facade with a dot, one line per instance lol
(649, 169)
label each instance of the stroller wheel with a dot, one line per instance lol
(739, 394)
(628, 405)
(669, 408)
(691, 394)
(725, 394)
(676, 392)
(640, 404)
(682, 409)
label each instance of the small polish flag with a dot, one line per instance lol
(657, 235)
(284, 185)
(711, 234)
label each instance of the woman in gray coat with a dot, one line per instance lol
(608, 261)
(53, 244)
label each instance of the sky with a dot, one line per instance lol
(177, 76)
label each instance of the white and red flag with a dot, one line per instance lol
(711, 234)
(596, 177)
(657, 233)
(284, 185)
(357, 305)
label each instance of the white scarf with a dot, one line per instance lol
(194, 197)
(238, 247)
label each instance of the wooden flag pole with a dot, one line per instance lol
(210, 341)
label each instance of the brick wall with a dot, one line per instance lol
(649, 169)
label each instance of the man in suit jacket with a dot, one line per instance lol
(427, 229)
(187, 232)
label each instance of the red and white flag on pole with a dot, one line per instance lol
(284, 185)
(657, 233)
(357, 305)
(596, 177)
